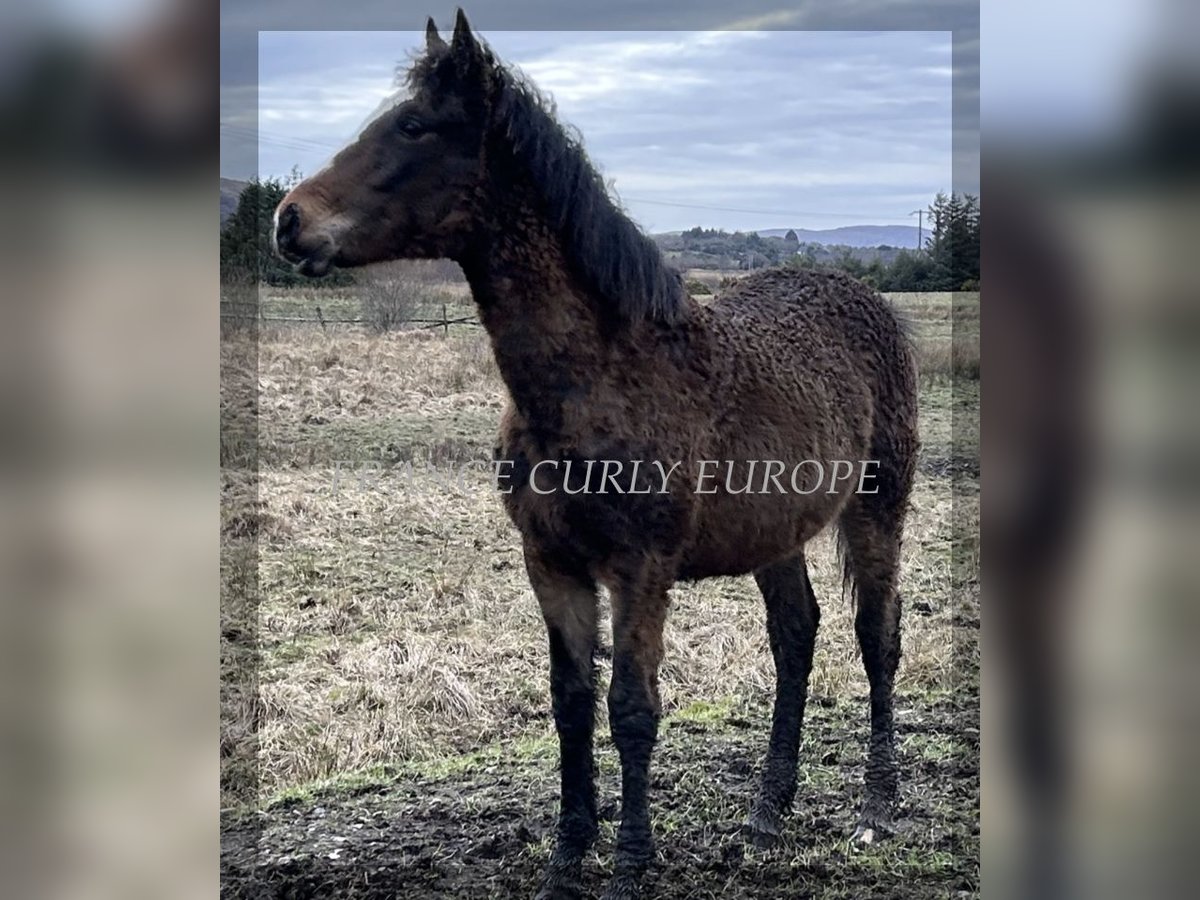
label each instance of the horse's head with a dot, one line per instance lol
(404, 188)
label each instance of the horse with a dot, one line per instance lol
(607, 359)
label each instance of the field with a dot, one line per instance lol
(403, 744)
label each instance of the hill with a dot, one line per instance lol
(231, 189)
(903, 236)
(709, 248)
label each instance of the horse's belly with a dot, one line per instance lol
(736, 535)
(590, 526)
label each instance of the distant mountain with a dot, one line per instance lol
(231, 189)
(854, 235)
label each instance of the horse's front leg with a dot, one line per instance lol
(568, 602)
(634, 710)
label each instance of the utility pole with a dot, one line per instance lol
(920, 214)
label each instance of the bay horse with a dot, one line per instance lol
(606, 357)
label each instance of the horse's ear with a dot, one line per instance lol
(463, 41)
(467, 52)
(433, 40)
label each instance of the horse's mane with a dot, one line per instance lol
(605, 250)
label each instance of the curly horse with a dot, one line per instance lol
(606, 358)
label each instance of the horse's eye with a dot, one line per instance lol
(411, 126)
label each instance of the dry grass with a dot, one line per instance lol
(396, 622)
(388, 304)
(954, 357)
(946, 331)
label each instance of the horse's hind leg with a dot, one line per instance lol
(871, 536)
(792, 618)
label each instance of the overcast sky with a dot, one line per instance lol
(734, 129)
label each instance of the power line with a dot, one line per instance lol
(281, 144)
(250, 131)
(290, 143)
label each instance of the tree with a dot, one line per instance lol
(804, 258)
(247, 254)
(908, 272)
(874, 273)
(948, 262)
(848, 262)
(953, 243)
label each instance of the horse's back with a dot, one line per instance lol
(833, 328)
(817, 329)
(830, 305)
(819, 368)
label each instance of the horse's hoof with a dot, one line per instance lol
(864, 834)
(871, 832)
(561, 883)
(559, 892)
(763, 829)
(623, 886)
(761, 838)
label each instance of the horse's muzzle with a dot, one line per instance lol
(311, 257)
(287, 230)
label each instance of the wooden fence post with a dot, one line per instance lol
(445, 322)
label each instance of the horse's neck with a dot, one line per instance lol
(546, 335)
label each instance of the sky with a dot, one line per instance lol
(732, 129)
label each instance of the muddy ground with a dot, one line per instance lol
(481, 826)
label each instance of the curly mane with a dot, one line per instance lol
(606, 252)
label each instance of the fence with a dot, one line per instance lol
(249, 310)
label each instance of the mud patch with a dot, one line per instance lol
(485, 830)
(956, 467)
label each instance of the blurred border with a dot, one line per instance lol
(111, 551)
(239, 60)
(1091, 173)
(108, 245)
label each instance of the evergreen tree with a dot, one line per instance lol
(953, 244)
(247, 252)
(949, 261)
(909, 272)
(848, 262)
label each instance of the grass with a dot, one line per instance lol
(945, 329)
(397, 624)
(395, 619)
(391, 736)
(954, 357)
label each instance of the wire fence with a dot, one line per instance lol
(244, 312)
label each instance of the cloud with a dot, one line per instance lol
(838, 126)
(326, 103)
